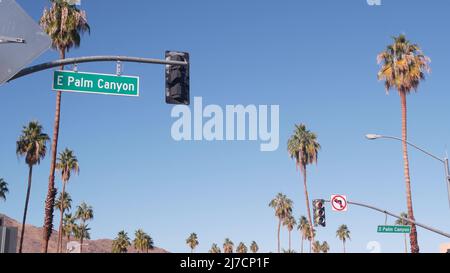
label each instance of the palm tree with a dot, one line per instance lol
(192, 241)
(148, 242)
(283, 208)
(310, 236)
(343, 234)
(67, 163)
(140, 240)
(290, 223)
(402, 222)
(303, 227)
(32, 144)
(63, 203)
(3, 189)
(304, 148)
(69, 226)
(228, 246)
(81, 232)
(64, 23)
(214, 248)
(241, 248)
(121, 243)
(325, 247)
(254, 247)
(317, 247)
(403, 67)
(84, 213)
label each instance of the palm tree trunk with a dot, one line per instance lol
(289, 241)
(68, 240)
(61, 209)
(279, 226)
(51, 192)
(30, 174)
(413, 234)
(343, 242)
(302, 243)
(81, 242)
(406, 244)
(311, 230)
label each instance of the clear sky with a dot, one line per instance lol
(316, 59)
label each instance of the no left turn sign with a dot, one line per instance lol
(339, 202)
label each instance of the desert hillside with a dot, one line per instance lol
(33, 235)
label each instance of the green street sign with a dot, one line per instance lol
(105, 84)
(394, 229)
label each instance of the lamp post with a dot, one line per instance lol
(444, 161)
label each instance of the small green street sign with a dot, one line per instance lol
(95, 83)
(394, 229)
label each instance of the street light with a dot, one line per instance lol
(443, 161)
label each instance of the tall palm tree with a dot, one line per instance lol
(343, 233)
(69, 226)
(304, 148)
(241, 248)
(254, 247)
(403, 67)
(303, 227)
(67, 163)
(192, 241)
(140, 241)
(402, 222)
(64, 23)
(32, 144)
(63, 203)
(214, 248)
(290, 223)
(283, 208)
(325, 247)
(3, 189)
(84, 213)
(228, 246)
(121, 243)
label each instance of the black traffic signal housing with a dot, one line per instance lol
(177, 78)
(319, 212)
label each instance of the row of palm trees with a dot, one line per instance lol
(228, 246)
(32, 145)
(142, 242)
(283, 206)
(74, 225)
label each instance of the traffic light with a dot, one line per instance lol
(319, 212)
(177, 78)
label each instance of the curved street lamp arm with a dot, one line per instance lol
(417, 147)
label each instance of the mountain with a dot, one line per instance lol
(33, 235)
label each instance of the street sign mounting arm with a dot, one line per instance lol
(399, 217)
(48, 65)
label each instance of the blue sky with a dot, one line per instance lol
(316, 59)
